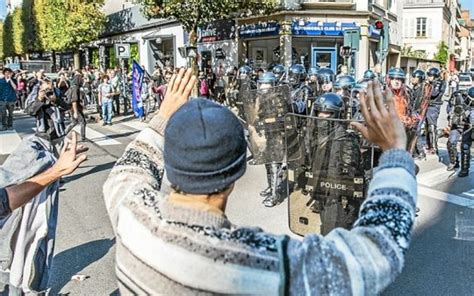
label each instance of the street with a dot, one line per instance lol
(440, 260)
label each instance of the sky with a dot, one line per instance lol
(465, 4)
(3, 9)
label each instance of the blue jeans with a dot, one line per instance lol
(107, 111)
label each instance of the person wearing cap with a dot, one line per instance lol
(167, 196)
(8, 98)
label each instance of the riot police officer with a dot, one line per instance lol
(369, 75)
(313, 80)
(266, 82)
(461, 120)
(300, 91)
(336, 155)
(402, 95)
(420, 91)
(279, 71)
(325, 79)
(436, 100)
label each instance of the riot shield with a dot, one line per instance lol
(328, 171)
(417, 117)
(264, 112)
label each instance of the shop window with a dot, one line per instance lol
(163, 51)
(421, 27)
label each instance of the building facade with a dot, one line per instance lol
(427, 23)
(312, 33)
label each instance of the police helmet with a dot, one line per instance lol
(313, 71)
(434, 72)
(470, 92)
(325, 75)
(360, 86)
(329, 102)
(346, 82)
(369, 75)
(419, 74)
(245, 70)
(278, 70)
(267, 78)
(394, 73)
(458, 98)
(297, 73)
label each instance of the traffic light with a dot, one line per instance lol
(379, 25)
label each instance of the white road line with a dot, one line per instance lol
(9, 141)
(96, 137)
(138, 125)
(446, 197)
(469, 193)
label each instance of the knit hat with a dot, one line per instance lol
(205, 148)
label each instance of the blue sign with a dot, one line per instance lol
(322, 28)
(373, 32)
(259, 29)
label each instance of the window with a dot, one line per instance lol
(421, 27)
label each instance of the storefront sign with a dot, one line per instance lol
(217, 31)
(259, 29)
(322, 28)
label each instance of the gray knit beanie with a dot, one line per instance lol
(205, 148)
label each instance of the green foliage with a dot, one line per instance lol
(18, 31)
(112, 58)
(1, 41)
(409, 52)
(194, 13)
(442, 54)
(95, 57)
(134, 53)
(8, 49)
(69, 23)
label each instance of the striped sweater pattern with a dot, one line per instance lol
(165, 249)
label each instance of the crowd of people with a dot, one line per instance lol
(166, 196)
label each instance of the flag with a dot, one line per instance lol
(137, 80)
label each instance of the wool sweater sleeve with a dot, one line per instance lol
(366, 259)
(140, 170)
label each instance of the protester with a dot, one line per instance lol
(175, 238)
(29, 191)
(106, 92)
(7, 98)
(74, 97)
(21, 89)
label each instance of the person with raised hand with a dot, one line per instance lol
(167, 196)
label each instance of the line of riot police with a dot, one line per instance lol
(298, 126)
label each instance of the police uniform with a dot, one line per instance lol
(335, 156)
(461, 120)
(432, 114)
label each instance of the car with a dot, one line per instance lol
(465, 81)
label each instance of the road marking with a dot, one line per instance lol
(96, 137)
(446, 197)
(9, 141)
(138, 125)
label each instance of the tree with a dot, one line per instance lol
(442, 54)
(408, 51)
(8, 49)
(18, 31)
(2, 55)
(193, 14)
(66, 24)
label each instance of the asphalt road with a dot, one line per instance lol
(439, 262)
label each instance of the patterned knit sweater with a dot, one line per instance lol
(165, 249)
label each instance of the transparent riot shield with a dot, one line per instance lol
(328, 171)
(416, 117)
(264, 112)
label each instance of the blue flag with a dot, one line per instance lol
(137, 80)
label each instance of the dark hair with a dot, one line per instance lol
(105, 77)
(5, 70)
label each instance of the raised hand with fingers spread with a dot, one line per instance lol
(177, 94)
(382, 124)
(69, 160)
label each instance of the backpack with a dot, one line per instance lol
(30, 100)
(203, 88)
